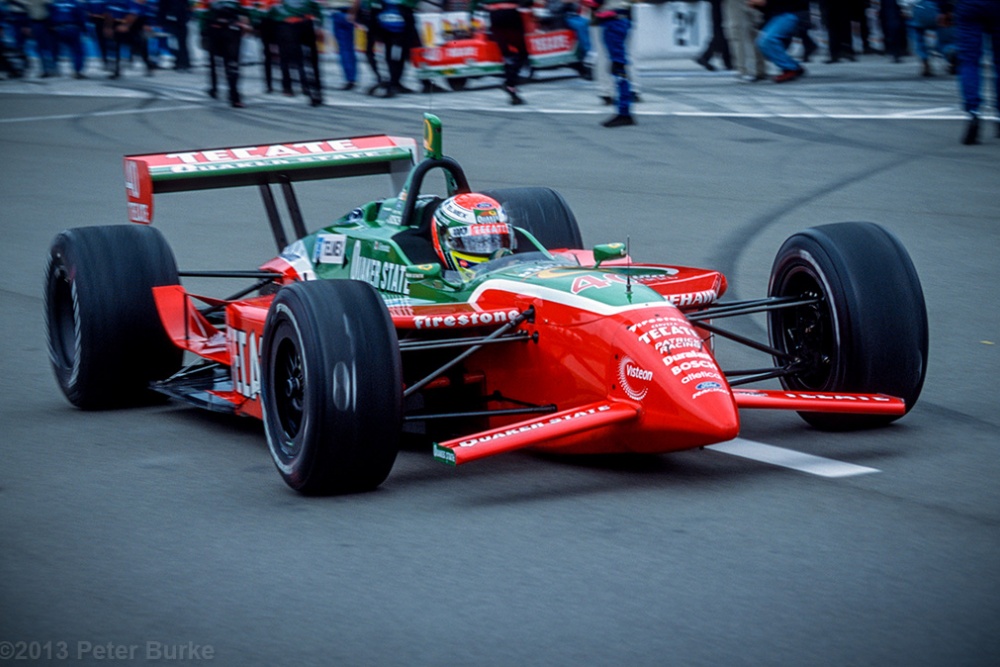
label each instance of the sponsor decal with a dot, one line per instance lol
(703, 388)
(244, 349)
(384, 276)
(693, 364)
(531, 427)
(330, 249)
(838, 397)
(693, 298)
(297, 256)
(670, 359)
(699, 376)
(132, 182)
(223, 155)
(138, 212)
(457, 52)
(481, 228)
(444, 454)
(602, 280)
(633, 379)
(464, 319)
(545, 43)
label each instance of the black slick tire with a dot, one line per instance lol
(106, 342)
(543, 213)
(869, 332)
(331, 387)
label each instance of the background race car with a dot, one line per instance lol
(466, 50)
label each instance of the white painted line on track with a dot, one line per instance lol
(95, 114)
(787, 458)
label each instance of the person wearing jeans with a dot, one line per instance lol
(974, 19)
(783, 19)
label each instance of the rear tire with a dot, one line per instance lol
(543, 213)
(106, 341)
(869, 333)
(457, 83)
(332, 388)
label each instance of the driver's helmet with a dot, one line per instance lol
(469, 229)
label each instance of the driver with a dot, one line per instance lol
(469, 229)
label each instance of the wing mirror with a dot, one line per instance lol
(423, 272)
(607, 251)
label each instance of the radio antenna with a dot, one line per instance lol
(628, 266)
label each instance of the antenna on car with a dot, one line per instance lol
(628, 266)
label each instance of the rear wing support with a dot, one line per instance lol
(274, 217)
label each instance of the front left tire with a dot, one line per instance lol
(332, 389)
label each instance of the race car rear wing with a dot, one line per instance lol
(281, 164)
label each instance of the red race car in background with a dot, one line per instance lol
(467, 51)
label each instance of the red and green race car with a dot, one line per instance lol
(356, 335)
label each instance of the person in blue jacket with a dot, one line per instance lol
(67, 23)
(974, 19)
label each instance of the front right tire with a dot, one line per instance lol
(868, 333)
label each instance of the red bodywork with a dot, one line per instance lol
(639, 379)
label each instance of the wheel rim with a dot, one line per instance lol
(289, 394)
(62, 323)
(807, 332)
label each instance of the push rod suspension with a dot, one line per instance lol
(751, 306)
(515, 322)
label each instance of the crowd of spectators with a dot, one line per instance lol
(756, 39)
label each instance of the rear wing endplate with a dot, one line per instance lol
(263, 166)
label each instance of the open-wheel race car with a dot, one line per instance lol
(471, 54)
(361, 332)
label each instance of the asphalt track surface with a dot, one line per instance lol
(165, 531)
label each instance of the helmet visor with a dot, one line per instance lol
(481, 239)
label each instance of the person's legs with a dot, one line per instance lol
(615, 33)
(970, 47)
(343, 33)
(773, 37)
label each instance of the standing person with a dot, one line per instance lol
(973, 20)
(858, 9)
(741, 26)
(97, 16)
(615, 20)
(783, 19)
(926, 16)
(224, 23)
(174, 16)
(265, 26)
(403, 41)
(137, 35)
(38, 18)
(366, 15)
(507, 30)
(296, 35)
(116, 26)
(67, 22)
(719, 45)
(342, 27)
(893, 29)
(840, 38)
